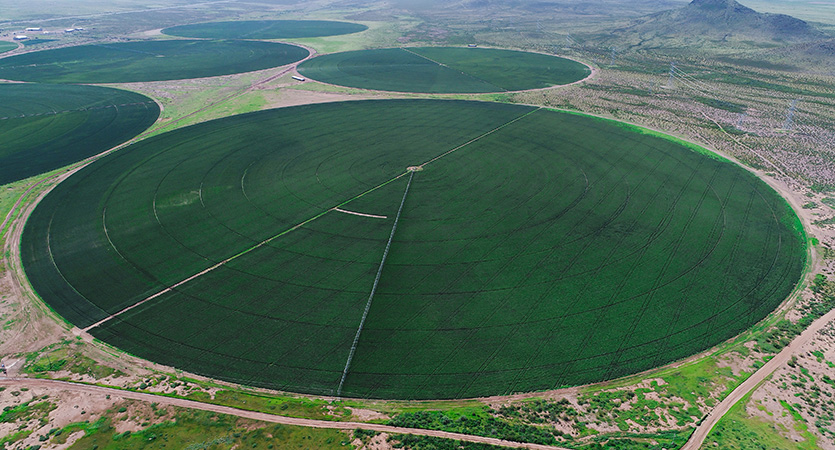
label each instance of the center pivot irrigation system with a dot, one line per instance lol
(523, 249)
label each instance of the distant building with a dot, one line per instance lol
(298, 78)
(34, 29)
(21, 37)
(472, 45)
(69, 30)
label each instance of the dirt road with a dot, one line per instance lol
(83, 388)
(751, 383)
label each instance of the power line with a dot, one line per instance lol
(670, 81)
(789, 123)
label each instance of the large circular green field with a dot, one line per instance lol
(443, 70)
(265, 29)
(45, 127)
(148, 61)
(525, 249)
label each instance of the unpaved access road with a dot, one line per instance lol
(162, 400)
(698, 437)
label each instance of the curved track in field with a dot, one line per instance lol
(535, 249)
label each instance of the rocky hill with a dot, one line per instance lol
(719, 22)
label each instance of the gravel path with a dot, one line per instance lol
(162, 400)
(698, 437)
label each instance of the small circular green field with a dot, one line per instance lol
(6, 46)
(526, 249)
(45, 127)
(265, 29)
(148, 61)
(443, 70)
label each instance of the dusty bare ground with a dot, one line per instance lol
(802, 385)
(57, 408)
(378, 442)
(26, 327)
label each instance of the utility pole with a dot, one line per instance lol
(789, 123)
(740, 119)
(671, 80)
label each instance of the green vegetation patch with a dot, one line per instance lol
(481, 423)
(721, 104)
(36, 41)
(45, 127)
(25, 412)
(148, 61)
(265, 29)
(6, 46)
(535, 249)
(412, 442)
(739, 430)
(443, 70)
(200, 430)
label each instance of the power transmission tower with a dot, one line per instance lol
(740, 119)
(612, 56)
(672, 77)
(790, 115)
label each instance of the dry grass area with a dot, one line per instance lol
(34, 416)
(800, 397)
(740, 113)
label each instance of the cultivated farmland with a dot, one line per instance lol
(44, 127)
(443, 70)
(265, 29)
(6, 46)
(533, 249)
(147, 61)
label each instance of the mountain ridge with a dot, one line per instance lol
(720, 21)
